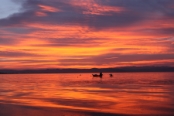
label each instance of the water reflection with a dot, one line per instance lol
(124, 93)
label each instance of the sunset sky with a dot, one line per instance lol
(86, 33)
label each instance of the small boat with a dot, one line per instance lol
(97, 75)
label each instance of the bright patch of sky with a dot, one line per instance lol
(8, 8)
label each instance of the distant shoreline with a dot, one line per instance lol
(93, 70)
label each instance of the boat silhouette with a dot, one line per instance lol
(98, 75)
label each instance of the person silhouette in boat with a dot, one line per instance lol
(101, 74)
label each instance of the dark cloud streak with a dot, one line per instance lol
(117, 58)
(16, 54)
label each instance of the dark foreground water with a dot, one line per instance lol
(81, 94)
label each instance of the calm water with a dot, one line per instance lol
(125, 93)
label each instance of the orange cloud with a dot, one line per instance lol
(41, 14)
(93, 8)
(48, 8)
(102, 10)
(44, 41)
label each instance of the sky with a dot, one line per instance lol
(86, 33)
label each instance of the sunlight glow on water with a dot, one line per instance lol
(125, 93)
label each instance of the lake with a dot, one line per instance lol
(75, 94)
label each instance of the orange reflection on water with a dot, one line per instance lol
(125, 93)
